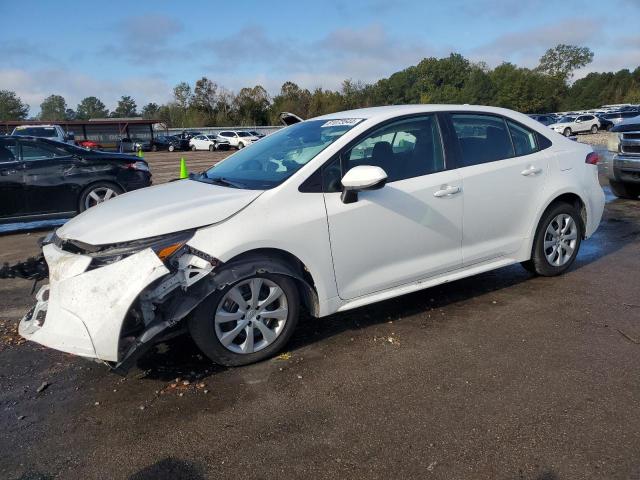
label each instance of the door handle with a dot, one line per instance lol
(531, 171)
(447, 191)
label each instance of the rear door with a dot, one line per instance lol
(12, 198)
(503, 178)
(49, 177)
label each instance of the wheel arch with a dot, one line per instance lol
(563, 196)
(278, 261)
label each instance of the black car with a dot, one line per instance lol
(165, 142)
(605, 123)
(42, 179)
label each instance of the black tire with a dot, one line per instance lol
(567, 132)
(154, 148)
(171, 148)
(82, 201)
(594, 129)
(211, 148)
(240, 146)
(624, 190)
(202, 329)
(538, 263)
(193, 148)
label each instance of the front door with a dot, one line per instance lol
(408, 230)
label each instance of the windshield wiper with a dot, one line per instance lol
(223, 181)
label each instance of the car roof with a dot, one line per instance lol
(390, 111)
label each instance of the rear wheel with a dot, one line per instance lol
(624, 190)
(171, 148)
(240, 146)
(248, 321)
(594, 129)
(567, 132)
(154, 148)
(557, 241)
(98, 193)
(211, 148)
(193, 148)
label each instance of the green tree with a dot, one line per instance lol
(562, 60)
(53, 108)
(251, 106)
(126, 108)
(204, 96)
(91, 107)
(12, 107)
(151, 111)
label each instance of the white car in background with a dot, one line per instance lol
(568, 125)
(325, 215)
(238, 138)
(209, 142)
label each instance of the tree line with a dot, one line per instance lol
(452, 79)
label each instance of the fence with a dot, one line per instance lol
(264, 129)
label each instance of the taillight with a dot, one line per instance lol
(592, 159)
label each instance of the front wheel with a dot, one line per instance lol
(246, 322)
(193, 148)
(171, 148)
(211, 148)
(557, 241)
(567, 132)
(624, 190)
(240, 146)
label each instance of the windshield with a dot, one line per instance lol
(566, 119)
(244, 134)
(275, 158)
(46, 132)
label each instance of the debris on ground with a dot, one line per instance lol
(284, 356)
(42, 387)
(180, 387)
(628, 337)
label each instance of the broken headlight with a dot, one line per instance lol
(163, 245)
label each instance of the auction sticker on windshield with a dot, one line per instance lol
(348, 122)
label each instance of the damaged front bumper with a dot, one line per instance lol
(82, 310)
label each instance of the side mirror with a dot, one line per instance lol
(362, 177)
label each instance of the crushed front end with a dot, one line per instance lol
(112, 302)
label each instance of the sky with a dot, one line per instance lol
(143, 48)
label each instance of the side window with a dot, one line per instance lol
(524, 140)
(8, 151)
(403, 149)
(32, 152)
(482, 138)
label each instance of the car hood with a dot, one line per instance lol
(157, 210)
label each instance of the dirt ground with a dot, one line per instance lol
(499, 376)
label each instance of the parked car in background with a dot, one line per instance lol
(90, 144)
(238, 139)
(163, 142)
(544, 119)
(618, 117)
(623, 169)
(52, 132)
(209, 142)
(42, 178)
(256, 133)
(569, 125)
(604, 123)
(326, 215)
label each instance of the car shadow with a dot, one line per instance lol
(170, 469)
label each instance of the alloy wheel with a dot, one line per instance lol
(560, 240)
(251, 315)
(99, 195)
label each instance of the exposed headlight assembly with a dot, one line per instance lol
(163, 245)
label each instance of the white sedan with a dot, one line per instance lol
(207, 142)
(326, 215)
(569, 125)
